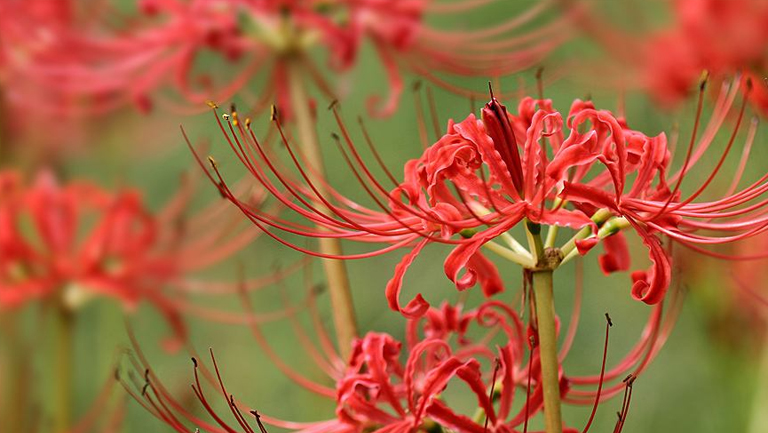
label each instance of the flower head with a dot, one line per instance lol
(75, 242)
(264, 40)
(389, 385)
(36, 34)
(587, 171)
(722, 37)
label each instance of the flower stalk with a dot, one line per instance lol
(13, 374)
(759, 419)
(542, 283)
(64, 327)
(344, 319)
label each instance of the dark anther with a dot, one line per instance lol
(608, 318)
(333, 104)
(273, 113)
(704, 79)
(194, 361)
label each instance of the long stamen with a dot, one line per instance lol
(608, 326)
(433, 112)
(420, 122)
(696, 123)
(628, 381)
(725, 152)
(496, 367)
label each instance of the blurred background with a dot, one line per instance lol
(704, 379)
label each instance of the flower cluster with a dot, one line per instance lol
(269, 39)
(75, 242)
(588, 171)
(722, 37)
(387, 387)
(533, 185)
(725, 38)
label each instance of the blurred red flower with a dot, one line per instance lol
(183, 44)
(74, 242)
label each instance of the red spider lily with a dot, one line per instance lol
(722, 37)
(588, 172)
(71, 243)
(261, 39)
(377, 391)
(719, 36)
(33, 34)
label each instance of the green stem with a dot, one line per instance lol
(14, 373)
(759, 421)
(509, 254)
(545, 320)
(64, 327)
(345, 322)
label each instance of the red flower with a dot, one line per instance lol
(37, 34)
(588, 172)
(74, 242)
(473, 178)
(723, 37)
(385, 387)
(261, 38)
(720, 36)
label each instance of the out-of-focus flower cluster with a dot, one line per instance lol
(171, 44)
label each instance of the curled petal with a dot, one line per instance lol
(461, 255)
(616, 257)
(651, 285)
(487, 274)
(584, 245)
(418, 306)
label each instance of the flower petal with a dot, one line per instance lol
(416, 307)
